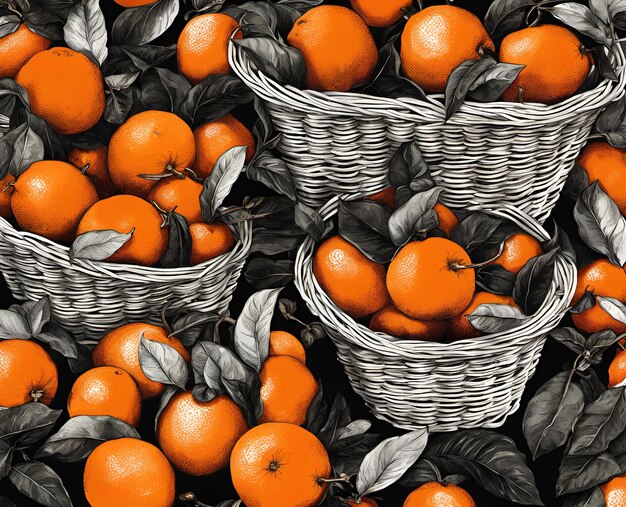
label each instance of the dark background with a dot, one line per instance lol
(321, 360)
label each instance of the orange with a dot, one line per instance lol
(447, 220)
(386, 196)
(337, 46)
(17, 48)
(123, 213)
(41, 200)
(518, 250)
(287, 390)
(377, 13)
(354, 283)
(607, 165)
(65, 88)
(392, 321)
(180, 193)
(106, 390)
(614, 492)
(198, 437)
(436, 40)
(556, 65)
(6, 191)
(150, 142)
(98, 170)
(202, 49)
(435, 494)
(283, 343)
(209, 241)
(134, 3)
(426, 280)
(128, 471)
(603, 279)
(279, 465)
(215, 138)
(617, 368)
(27, 373)
(461, 327)
(120, 348)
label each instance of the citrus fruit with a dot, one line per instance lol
(27, 373)
(460, 326)
(286, 344)
(555, 64)
(607, 165)
(128, 471)
(198, 437)
(617, 368)
(279, 465)
(518, 250)
(337, 46)
(106, 390)
(120, 348)
(427, 281)
(603, 279)
(447, 219)
(215, 138)
(377, 13)
(180, 193)
(386, 196)
(6, 192)
(354, 283)
(392, 321)
(123, 213)
(202, 48)
(614, 491)
(40, 200)
(17, 48)
(98, 170)
(437, 40)
(435, 494)
(150, 143)
(287, 390)
(134, 3)
(65, 88)
(209, 241)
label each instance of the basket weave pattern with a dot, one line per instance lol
(466, 384)
(89, 298)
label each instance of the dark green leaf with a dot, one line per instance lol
(407, 165)
(310, 221)
(533, 282)
(591, 498)
(6, 458)
(462, 79)
(495, 279)
(506, 16)
(579, 473)
(275, 59)
(40, 483)
(58, 339)
(27, 149)
(338, 417)
(263, 273)
(163, 89)
(273, 173)
(178, 253)
(569, 337)
(28, 423)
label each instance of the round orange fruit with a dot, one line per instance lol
(97, 170)
(518, 250)
(392, 321)
(447, 219)
(614, 491)
(134, 3)
(381, 14)
(435, 494)
(17, 48)
(181, 194)
(617, 368)
(209, 241)
(286, 344)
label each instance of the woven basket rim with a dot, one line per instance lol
(553, 307)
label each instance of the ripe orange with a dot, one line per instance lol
(603, 279)
(215, 138)
(518, 250)
(337, 47)
(134, 3)
(198, 437)
(122, 213)
(27, 373)
(180, 193)
(202, 49)
(287, 390)
(150, 142)
(614, 491)
(460, 326)
(209, 241)
(120, 348)
(354, 283)
(392, 321)
(65, 88)
(98, 170)
(128, 471)
(286, 344)
(607, 165)
(279, 465)
(377, 13)
(438, 39)
(6, 192)
(617, 368)
(435, 494)
(41, 203)
(427, 282)
(447, 219)
(386, 196)
(17, 48)
(556, 65)
(106, 390)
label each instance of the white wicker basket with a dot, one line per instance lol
(89, 298)
(465, 384)
(521, 154)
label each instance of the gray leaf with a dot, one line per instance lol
(140, 25)
(580, 17)
(495, 318)
(613, 307)
(40, 483)
(98, 245)
(162, 363)
(85, 30)
(217, 186)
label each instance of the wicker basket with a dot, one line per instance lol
(466, 384)
(89, 298)
(486, 154)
